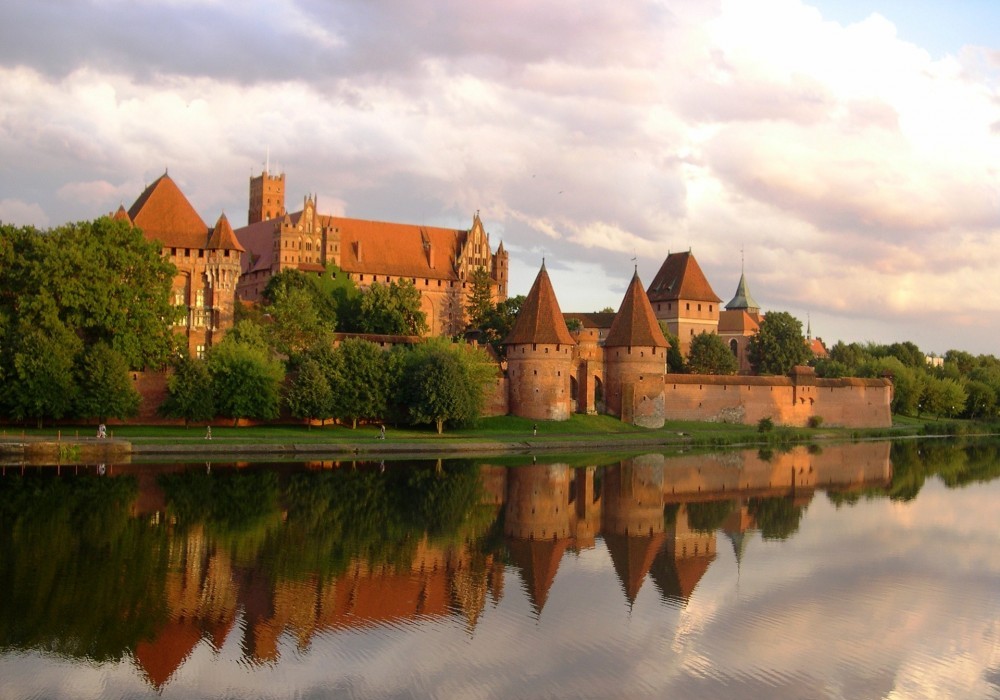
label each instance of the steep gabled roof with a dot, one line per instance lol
(680, 277)
(222, 237)
(540, 320)
(743, 300)
(165, 214)
(403, 250)
(635, 323)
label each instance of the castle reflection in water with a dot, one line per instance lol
(659, 517)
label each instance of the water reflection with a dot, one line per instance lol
(143, 563)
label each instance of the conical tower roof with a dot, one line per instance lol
(743, 301)
(635, 323)
(223, 237)
(632, 557)
(540, 320)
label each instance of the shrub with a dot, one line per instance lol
(765, 425)
(815, 421)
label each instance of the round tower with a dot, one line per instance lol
(635, 359)
(540, 356)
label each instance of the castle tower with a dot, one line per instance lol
(681, 296)
(738, 322)
(540, 356)
(267, 197)
(635, 359)
(222, 272)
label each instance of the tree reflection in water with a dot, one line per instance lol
(90, 570)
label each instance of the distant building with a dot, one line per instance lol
(738, 322)
(681, 296)
(438, 261)
(207, 259)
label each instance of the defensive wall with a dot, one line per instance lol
(849, 402)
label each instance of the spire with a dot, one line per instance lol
(635, 323)
(743, 301)
(540, 320)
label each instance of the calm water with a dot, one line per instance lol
(857, 571)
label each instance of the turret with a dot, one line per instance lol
(540, 356)
(635, 358)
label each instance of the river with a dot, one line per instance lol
(864, 570)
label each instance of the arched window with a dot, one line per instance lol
(735, 347)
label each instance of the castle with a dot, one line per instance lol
(437, 261)
(553, 372)
(614, 364)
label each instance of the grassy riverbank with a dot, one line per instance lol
(489, 434)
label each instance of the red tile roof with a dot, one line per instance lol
(222, 237)
(596, 319)
(635, 323)
(540, 320)
(680, 277)
(369, 247)
(738, 321)
(164, 214)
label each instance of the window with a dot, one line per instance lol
(687, 306)
(199, 298)
(699, 307)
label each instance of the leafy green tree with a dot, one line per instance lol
(42, 381)
(831, 369)
(778, 345)
(105, 389)
(851, 355)
(778, 518)
(189, 392)
(981, 400)
(500, 320)
(309, 395)
(295, 323)
(675, 358)
(907, 353)
(392, 309)
(445, 382)
(360, 381)
(479, 302)
(710, 355)
(246, 381)
(320, 289)
(110, 284)
(943, 397)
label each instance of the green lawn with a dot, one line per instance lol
(583, 429)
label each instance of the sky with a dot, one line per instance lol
(843, 154)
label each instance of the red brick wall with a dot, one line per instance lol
(633, 386)
(853, 403)
(539, 380)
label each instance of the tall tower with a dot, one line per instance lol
(540, 356)
(635, 358)
(267, 197)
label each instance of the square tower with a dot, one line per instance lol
(267, 197)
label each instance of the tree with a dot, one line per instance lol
(189, 392)
(246, 381)
(710, 355)
(360, 381)
(110, 284)
(309, 395)
(479, 302)
(104, 386)
(675, 359)
(42, 381)
(778, 345)
(295, 323)
(500, 320)
(392, 309)
(943, 397)
(445, 382)
(318, 288)
(981, 400)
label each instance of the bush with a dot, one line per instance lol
(765, 425)
(815, 421)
